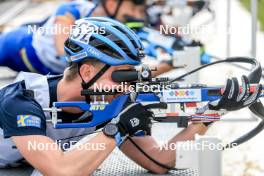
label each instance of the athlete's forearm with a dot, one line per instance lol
(78, 161)
(165, 156)
(85, 162)
(189, 133)
(168, 155)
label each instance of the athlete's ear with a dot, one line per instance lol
(87, 72)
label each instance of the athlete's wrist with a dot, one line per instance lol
(112, 130)
(202, 124)
(207, 124)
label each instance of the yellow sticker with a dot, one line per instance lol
(97, 107)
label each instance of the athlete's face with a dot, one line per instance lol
(105, 82)
(127, 8)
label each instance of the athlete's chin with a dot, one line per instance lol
(73, 110)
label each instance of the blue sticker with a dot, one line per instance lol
(28, 121)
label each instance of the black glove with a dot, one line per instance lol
(232, 99)
(135, 117)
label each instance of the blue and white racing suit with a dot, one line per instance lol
(26, 50)
(21, 114)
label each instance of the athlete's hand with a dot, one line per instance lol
(135, 117)
(233, 99)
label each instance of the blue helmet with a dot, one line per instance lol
(104, 39)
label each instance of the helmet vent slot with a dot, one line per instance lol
(72, 46)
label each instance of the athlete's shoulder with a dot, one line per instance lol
(77, 9)
(14, 98)
(20, 114)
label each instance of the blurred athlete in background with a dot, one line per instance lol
(42, 51)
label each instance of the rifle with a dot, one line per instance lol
(97, 113)
(165, 92)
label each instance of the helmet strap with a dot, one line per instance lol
(87, 85)
(119, 3)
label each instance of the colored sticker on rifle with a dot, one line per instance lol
(182, 95)
(97, 107)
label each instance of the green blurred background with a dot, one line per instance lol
(246, 4)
